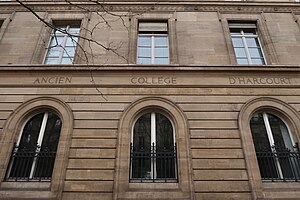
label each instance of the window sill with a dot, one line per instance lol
(154, 186)
(36, 186)
(281, 190)
(269, 186)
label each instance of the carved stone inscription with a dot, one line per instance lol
(159, 80)
(53, 80)
(243, 80)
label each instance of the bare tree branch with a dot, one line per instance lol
(108, 48)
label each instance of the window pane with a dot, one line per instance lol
(52, 132)
(67, 60)
(255, 53)
(142, 132)
(280, 132)
(141, 162)
(144, 41)
(242, 61)
(160, 41)
(53, 52)
(165, 161)
(283, 143)
(23, 158)
(164, 132)
(69, 52)
(56, 41)
(258, 61)
(51, 60)
(144, 52)
(161, 52)
(237, 42)
(240, 52)
(74, 31)
(144, 61)
(259, 132)
(71, 41)
(265, 159)
(161, 61)
(31, 132)
(252, 42)
(45, 161)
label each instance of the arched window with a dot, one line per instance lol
(33, 155)
(153, 149)
(277, 154)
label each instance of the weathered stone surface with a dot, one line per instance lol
(203, 82)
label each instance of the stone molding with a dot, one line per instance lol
(11, 132)
(280, 109)
(135, 67)
(234, 6)
(122, 187)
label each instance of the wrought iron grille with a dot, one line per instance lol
(279, 163)
(34, 164)
(153, 164)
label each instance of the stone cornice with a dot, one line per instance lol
(178, 68)
(216, 6)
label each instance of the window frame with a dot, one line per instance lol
(55, 33)
(276, 150)
(243, 36)
(259, 20)
(44, 36)
(153, 141)
(6, 19)
(11, 130)
(153, 34)
(264, 189)
(38, 148)
(169, 18)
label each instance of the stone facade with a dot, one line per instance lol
(208, 96)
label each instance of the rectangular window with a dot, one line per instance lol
(63, 42)
(153, 43)
(246, 44)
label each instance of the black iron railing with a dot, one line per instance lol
(153, 164)
(30, 164)
(279, 163)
